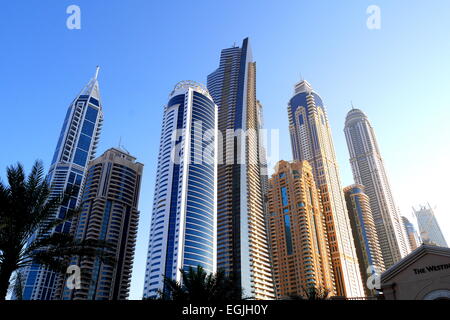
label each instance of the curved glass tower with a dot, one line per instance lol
(368, 170)
(76, 146)
(183, 225)
(312, 141)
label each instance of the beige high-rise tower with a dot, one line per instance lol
(312, 141)
(108, 212)
(297, 231)
(365, 235)
(368, 170)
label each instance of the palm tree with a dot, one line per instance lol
(27, 209)
(197, 285)
(312, 293)
(18, 282)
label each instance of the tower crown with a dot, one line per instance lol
(303, 86)
(186, 84)
(92, 88)
(354, 115)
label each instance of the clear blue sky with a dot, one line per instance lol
(399, 75)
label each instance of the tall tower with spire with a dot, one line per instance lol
(312, 141)
(76, 146)
(368, 170)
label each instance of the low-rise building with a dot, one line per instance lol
(422, 275)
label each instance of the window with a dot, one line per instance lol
(80, 157)
(287, 228)
(94, 101)
(88, 128)
(284, 197)
(84, 142)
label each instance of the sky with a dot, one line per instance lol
(398, 75)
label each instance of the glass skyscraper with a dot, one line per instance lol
(183, 224)
(76, 146)
(368, 170)
(242, 243)
(312, 141)
(429, 229)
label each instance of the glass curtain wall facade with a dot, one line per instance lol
(183, 225)
(77, 145)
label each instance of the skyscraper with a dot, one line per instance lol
(365, 235)
(242, 245)
(411, 233)
(183, 225)
(109, 212)
(429, 229)
(76, 146)
(368, 170)
(299, 245)
(312, 141)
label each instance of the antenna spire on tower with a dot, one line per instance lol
(96, 72)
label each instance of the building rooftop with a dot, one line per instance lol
(186, 84)
(354, 115)
(302, 86)
(413, 257)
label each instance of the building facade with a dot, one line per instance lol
(411, 233)
(312, 141)
(365, 235)
(368, 170)
(183, 225)
(424, 274)
(109, 212)
(242, 245)
(77, 145)
(429, 229)
(297, 231)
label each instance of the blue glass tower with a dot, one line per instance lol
(76, 146)
(183, 225)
